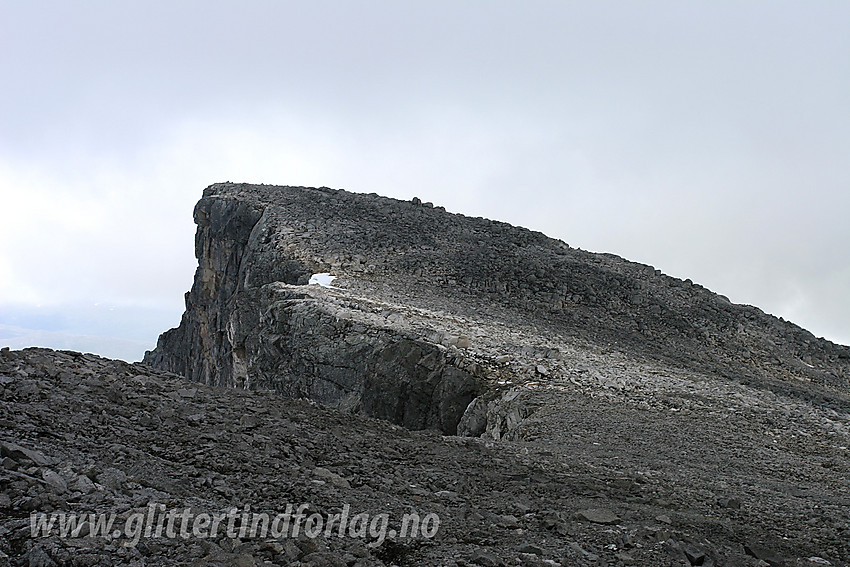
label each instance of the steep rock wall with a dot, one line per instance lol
(238, 331)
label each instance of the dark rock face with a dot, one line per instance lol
(428, 303)
(239, 331)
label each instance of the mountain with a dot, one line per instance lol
(535, 404)
(431, 310)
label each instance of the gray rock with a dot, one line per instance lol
(695, 555)
(37, 557)
(30, 503)
(83, 484)
(729, 502)
(112, 478)
(19, 454)
(766, 554)
(187, 393)
(586, 555)
(599, 516)
(55, 481)
(528, 547)
(286, 445)
(474, 420)
(249, 421)
(326, 475)
(486, 559)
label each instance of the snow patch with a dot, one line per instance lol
(323, 279)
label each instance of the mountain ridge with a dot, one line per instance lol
(257, 246)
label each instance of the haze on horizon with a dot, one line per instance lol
(709, 140)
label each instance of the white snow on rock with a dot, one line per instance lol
(323, 279)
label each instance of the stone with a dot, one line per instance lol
(695, 555)
(37, 557)
(766, 554)
(112, 478)
(529, 547)
(729, 502)
(30, 503)
(55, 481)
(486, 559)
(291, 550)
(249, 421)
(83, 484)
(581, 552)
(19, 454)
(326, 475)
(473, 422)
(599, 516)
(187, 393)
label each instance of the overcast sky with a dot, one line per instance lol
(709, 139)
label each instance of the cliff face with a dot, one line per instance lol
(432, 310)
(251, 322)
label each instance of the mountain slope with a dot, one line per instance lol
(431, 310)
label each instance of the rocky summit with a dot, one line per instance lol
(364, 381)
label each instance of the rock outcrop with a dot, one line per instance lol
(431, 310)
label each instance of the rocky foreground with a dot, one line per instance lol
(740, 477)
